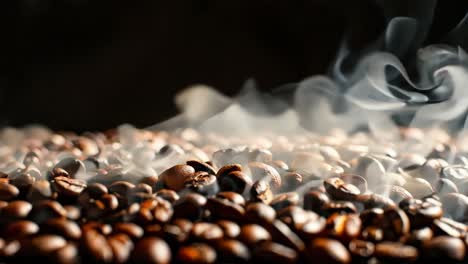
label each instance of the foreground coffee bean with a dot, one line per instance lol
(261, 192)
(96, 246)
(20, 229)
(151, 250)
(324, 250)
(274, 253)
(232, 251)
(8, 191)
(191, 206)
(260, 213)
(197, 253)
(68, 186)
(174, 178)
(16, 209)
(397, 252)
(235, 181)
(203, 183)
(340, 190)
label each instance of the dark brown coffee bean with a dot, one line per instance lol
(73, 212)
(284, 200)
(260, 213)
(43, 245)
(152, 181)
(168, 195)
(443, 248)
(396, 252)
(46, 209)
(235, 181)
(68, 186)
(232, 251)
(203, 183)
(163, 211)
(281, 233)
(266, 173)
(197, 253)
(311, 228)
(142, 188)
(295, 216)
(372, 233)
(10, 248)
(361, 250)
(455, 206)
(132, 230)
(261, 192)
(225, 209)
(8, 191)
(201, 166)
(419, 236)
(339, 207)
(16, 209)
(395, 225)
(190, 206)
(324, 250)
(372, 217)
(174, 178)
(271, 252)
(121, 188)
(40, 190)
(104, 229)
(448, 227)
(153, 230)
(223, 171)
(92, 191)
(72, 166)
(20, 229)
(340, 190)
(205, 232)
(232, 197)
(63, 227)
(121, 246)
(230, 229)
(56, 172)
(375, 201)
(291, 181)
(344, 227)
(66, 255)
(96, 247)
(252, 235)
(315, 201)
(421, 213)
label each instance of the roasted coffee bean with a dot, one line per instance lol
(197, 253)
(419, 236)
(395, 193)
(232, 251)
(361, 251)
(295, 216)
(448, 227)
(340, 190)
(92, 191)
(16, 210)
(421, 213)
(235, 181)
(121, 188)
(132, 230)
(20, 229)
(142, 188)
(63, 227)
(201, 166)
(372, 217)
(223, 208)
(203, 183)
(355, 180)
(66, 255)
(174, 235)
(96, 247)
(205, 232)
(73, 212)
(267, 173)
(445, 186)
(43, 245)
(121, 246)
(443, 248)
(152, 181)
(104, 229)
(455, 206)
(168, 195)
(232, 197)
(259, 213)
(8, 191)
(151, 250)
(162, 211)
(252, 235)
(372, 233)
(396, 224)
(174, 178)
(291, 181)
(261, 192)
(344, 227)
(339, 207)
(375, 201)
(230, 229)
(281, 233)
(225, 170)
(324, 250)
(271, 252)
(418, 187)
(280, 165)
(22, 181)
(40, 190)
(72, 166)
(315, 201)
(46, 209)
(190, 206)
(68, 186)
(56, 172)
(311, 228)
(396, 252)
(284, 200)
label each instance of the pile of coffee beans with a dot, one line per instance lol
(135, 196)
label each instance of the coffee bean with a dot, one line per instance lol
(295, 216)
(375, 201)
(203, 183)
(65, 255)
(223, 208)
(168, 195)
(396, 224)
(445, 186)
(8, 191)
(455, 206)
(265, 172)
(311, 228)
(121, 246)
(397, 193)
(361, 250)
(43, 245)
(443, 248)
(72, 166)
(162, 211)
(291, 181)
(46, 209)
(324, 250)
(395, 251)
(201, 166)
(418, 187)
(130, 229)
(235, 181)
(225, 170)
(151, 250)
(232, 197)
(448, 227)
(40, 190)
(271, 252)
(338, 207)
(281, 233)
(252, 235)
(261, 192)
(419, 236)
(340, 190)
(344, 227)
(142, 188)
(174, 178)
(315, 201)
(56, 172)
(63, 227)
(421, 213)
(190, 206)
(205, 232)
(372, 217)
(259, 213)
(280, 165)
(20, 229)
(284, 200)
(197, 253)
(230, 229)
(121, 188)
(22, 181)
(373, 233)
(356, 180)
(232, 251)
(96, 247)
(68, 186)
(16, 209)
(73, 212)
(92, 191)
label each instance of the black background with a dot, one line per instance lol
(91, 65)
